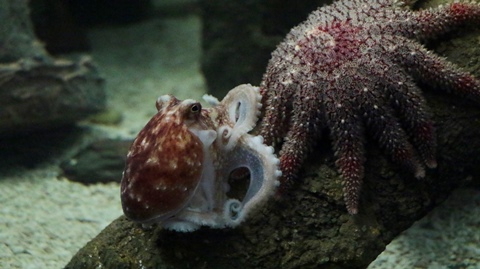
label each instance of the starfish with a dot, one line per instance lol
(352, 67)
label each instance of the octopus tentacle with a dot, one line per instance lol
(243, 107)
(207, 185)
(262, 164)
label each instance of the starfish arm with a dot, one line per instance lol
(346, 131)
(387, 130)
(277, 107)
(437, 71)
(431, 23)
(410, 105)
(392, 115)
(304, 131)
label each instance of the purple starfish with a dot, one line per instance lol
(352, 67)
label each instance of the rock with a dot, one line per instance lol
(39, 95)
(36, 90)
(32, 150)
(238, 37)
(309, 226)
(61, 25)
(16, 33)
(102, 161)
(95, 12)
(55, 25)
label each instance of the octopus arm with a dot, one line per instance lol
(263, 168)
(243, 104)
(207, 182)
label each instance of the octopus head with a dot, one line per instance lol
(164, 164)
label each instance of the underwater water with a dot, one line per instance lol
(45, 218)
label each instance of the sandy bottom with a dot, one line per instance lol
(45, 219)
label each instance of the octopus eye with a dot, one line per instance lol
(195, 108)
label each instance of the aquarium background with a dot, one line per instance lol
(152, 49)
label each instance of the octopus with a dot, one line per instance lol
(184, 164)
(353, 67)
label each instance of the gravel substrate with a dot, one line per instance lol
(45, 220)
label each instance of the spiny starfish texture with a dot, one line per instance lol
(352, 67)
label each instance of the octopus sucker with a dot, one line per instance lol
(195, 150)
